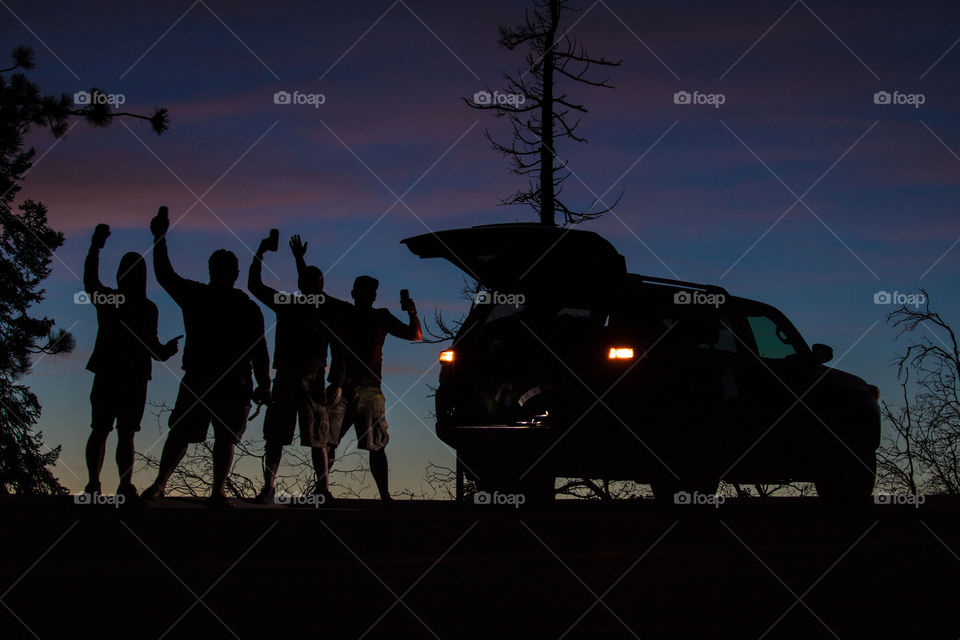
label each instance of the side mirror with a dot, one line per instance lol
(821, 353)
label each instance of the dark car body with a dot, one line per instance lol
(569, 366)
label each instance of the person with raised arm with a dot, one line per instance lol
(126, 342)
(363, 331)
(299, 357)
(224, 341)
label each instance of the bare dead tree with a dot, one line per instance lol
(896, 458)
(785, 489)
(601, 489)
(921, 453)
(439, 483)
(593, 489)
(539, 111)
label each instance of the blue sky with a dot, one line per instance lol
(710, 194)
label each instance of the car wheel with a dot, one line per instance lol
(849, 481)
(539, 488)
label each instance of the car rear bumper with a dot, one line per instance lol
(469, 435)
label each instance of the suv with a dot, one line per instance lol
(568, 366)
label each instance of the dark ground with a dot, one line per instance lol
(782, 568)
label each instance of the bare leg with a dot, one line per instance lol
(378, 468)
(125, 456)
(173, 451)
(272, 454)
(222, 459)
(321, 468)
(96, 450)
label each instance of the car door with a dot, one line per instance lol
(690, 381)
(776, 375)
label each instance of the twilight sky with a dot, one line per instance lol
(799, 190)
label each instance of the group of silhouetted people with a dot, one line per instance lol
(224, 343)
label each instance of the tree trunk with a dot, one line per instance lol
(547, 199)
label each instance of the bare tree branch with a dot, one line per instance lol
(921, 452)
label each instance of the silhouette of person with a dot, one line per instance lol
(300, 359)
(363, 331)
(120, 362)
(224, 341)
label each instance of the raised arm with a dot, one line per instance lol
(171, 282)
(260, 291)
(91, 266)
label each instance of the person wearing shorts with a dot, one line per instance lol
(224, 343)
(364, 409)
(300, 358)
(201, 402)
(363, 331)
(117, 399)
(126, 342)
(294, 398)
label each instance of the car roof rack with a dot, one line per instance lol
(681, 284)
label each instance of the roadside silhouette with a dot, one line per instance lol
(363, 331)
(126, 341)
(224, 341)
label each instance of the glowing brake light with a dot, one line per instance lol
(446, 356)
(620, 353)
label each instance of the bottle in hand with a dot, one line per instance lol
(273, 242)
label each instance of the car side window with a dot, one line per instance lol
(773, 341)
(707, 332)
